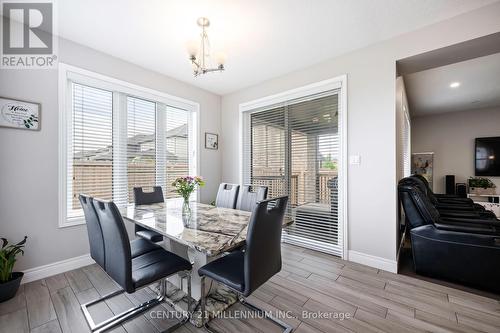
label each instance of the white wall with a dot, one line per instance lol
(29, 160)
(371, 79)
(451, 137)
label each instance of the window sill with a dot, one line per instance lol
(71, 222)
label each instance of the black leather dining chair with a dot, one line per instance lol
(138, 246)
(148, 198)
(227, 195)
(248, 196)
(245, 271)
(129, 271)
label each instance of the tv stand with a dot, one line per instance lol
(484, 200)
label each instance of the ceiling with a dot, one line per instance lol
(262, 39)
(429, 91)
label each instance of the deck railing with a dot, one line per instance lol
(298, 181)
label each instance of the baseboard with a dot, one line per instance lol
(41, 272)
(372, 261)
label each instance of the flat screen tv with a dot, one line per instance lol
(488, 156)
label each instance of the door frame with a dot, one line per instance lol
(338, 82)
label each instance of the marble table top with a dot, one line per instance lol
(209, 229)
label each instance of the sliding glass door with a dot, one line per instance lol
(294, 150)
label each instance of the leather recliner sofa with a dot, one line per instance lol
(456, 249)
(451, 206)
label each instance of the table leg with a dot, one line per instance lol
(218, 297)
(198, 259)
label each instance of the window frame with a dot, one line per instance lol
(120, 89)
(280, 99)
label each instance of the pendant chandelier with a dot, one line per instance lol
(199, 53)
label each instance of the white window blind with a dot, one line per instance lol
(115, 141)
(141, 144)
(90, 162)
(406, 142)
(294, 149)
(177, 127)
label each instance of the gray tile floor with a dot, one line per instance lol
(310, 283)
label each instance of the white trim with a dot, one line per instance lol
(338, 82)
(344, 169)
(373, 261)
(42, 272)
(67, 74)
(310, 89)
(109, 83)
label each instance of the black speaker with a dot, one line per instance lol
(494, 199)
(461, 190)
(450, 184)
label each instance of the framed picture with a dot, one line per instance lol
(19, 114)
(423, 164)
(211, 141)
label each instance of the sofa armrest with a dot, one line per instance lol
(485, 222)
(460, 201)
(430, 232)
(473, 229)
(461, 257)
(445, 213)
(455, 207)
(447, 196)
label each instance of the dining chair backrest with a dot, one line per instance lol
(263, 243)
(116, 244)
(227, 195)
(146, 198)
(94, 231)
(248, 197)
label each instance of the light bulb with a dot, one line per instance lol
(192, 48)
(220, 58)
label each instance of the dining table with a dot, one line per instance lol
(202, 235)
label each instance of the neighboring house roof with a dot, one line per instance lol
(180, 131)
(106, 154)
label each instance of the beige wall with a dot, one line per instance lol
(29, 160)
(371, 75)
(451, 137)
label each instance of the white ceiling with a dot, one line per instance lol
(429, 91)
(262, 38)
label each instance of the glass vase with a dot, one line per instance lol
(186, 208)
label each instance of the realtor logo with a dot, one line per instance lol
(28, 35)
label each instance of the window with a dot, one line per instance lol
(294, 149)
(116, 136)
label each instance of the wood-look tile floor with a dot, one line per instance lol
(310, 283)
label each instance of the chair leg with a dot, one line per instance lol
(189, 305)
(186, 317)
(286, 327)
(202, 300)
(119, 318)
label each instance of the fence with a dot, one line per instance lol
(96, 178)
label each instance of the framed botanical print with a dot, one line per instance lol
(423, 164)
(211, 141)
(19, 114)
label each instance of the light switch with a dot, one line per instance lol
(354, 160)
